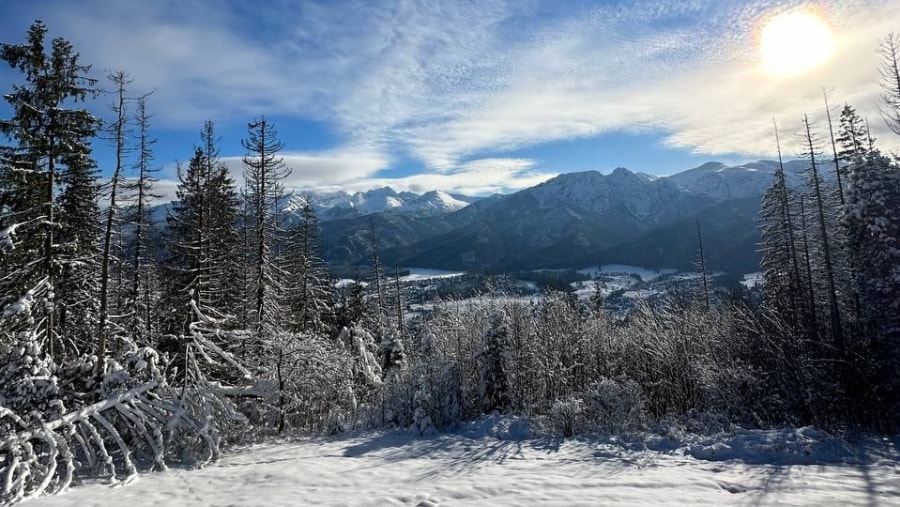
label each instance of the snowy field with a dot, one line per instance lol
(622, 269)
(752, 280)
(492, 467)
(423, 274)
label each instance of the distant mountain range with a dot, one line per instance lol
(343, 205)
(572, 220)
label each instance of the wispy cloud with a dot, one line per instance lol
(447, 82)
(475, 177)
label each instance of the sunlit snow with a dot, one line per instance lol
(488, 463)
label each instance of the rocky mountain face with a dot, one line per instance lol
(579, 219)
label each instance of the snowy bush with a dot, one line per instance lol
(493, 357)
(140, 421)
(614, 404)
(567, 416)
(422, 407)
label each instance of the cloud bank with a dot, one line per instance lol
(458, 86)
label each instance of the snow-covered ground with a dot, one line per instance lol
(348, 282)
(622, 269)
(752, 280)
(422, 274)
(494, 465)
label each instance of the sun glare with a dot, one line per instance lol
(794, 43)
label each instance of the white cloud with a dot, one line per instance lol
(312, 169)
(446, 82)
(476, 177)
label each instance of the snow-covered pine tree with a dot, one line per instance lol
(780, 264)
(51, 150)
(872, 221)
(264, 171)
(119, 132)
(890, 81)
(853, 138)
(186, 234)
(141, 297)
(350, 304)
(825, 235)
(203, 240)
(493, 357)
(834, 150)
(310, 291)
(78, 287)
(222, 253)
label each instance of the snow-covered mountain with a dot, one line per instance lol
(342, 205)
(570, 220)
(719, 181)
(583, 218)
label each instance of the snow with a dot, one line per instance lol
(380, 200)
(640, 294)
(751, 280)
(497, 461)
(348, 282)
(622, 269)
(422, 274)
(6, 237)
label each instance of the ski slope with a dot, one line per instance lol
(492, 467)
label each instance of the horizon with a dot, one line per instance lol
(468, 98)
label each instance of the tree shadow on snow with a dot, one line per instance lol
(861, 454)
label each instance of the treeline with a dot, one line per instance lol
(120, 352)
(830, 253)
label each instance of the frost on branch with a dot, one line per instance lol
(141, 422)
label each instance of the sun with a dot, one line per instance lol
(795, 42)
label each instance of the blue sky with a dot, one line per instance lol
(471, 96)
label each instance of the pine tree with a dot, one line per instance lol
(781, 269)
(185, 232)
(264, 170)
(872, 221)
(202, 240)
(119, 133)
(492, 358)
(377, 273)
(824, 236)
(221, 248)
(701, 265)
(836, 159)
(51, 150)
(853, 136)
(77, 254)
(890, 81)
(310, 290)
(141, 298)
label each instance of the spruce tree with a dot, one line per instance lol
(220, 217)
(890, 81)
(853, 136)
(872, 221)
(264, 170)
(310, 288)
(824, 235)
(141, 298)
(203, 239)
(492, 358)
(119, 132)
(50, 151)
(781, 269)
